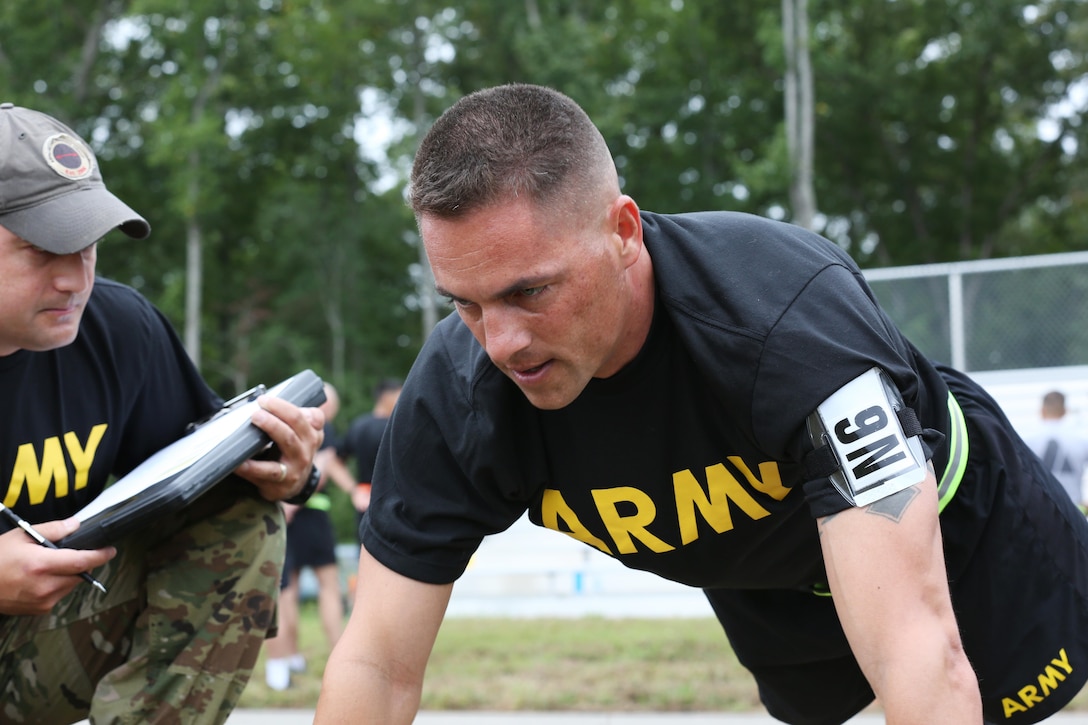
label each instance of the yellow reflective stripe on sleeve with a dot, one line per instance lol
(957, 454)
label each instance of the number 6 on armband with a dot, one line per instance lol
(866, 440)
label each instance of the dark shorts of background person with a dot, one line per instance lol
(1019, 586)
(311, 542)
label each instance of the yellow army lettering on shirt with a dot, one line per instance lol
(714, 503)
(1029, 696)
(53, 468)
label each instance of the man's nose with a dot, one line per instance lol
(73, 272)
(505, 333)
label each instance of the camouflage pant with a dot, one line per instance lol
(175, 639)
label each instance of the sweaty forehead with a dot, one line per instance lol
(490, 236)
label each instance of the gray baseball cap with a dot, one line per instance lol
(51, 191)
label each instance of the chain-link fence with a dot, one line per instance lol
(999, 314)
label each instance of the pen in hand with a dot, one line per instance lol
(33, 533)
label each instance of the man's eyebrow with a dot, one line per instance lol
(516, 286)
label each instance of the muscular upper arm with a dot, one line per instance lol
(375, 672)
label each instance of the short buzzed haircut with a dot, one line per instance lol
(507, 142)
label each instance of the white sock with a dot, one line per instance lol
(277, 673)
(297, 663)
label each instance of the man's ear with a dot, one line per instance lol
(627, 225)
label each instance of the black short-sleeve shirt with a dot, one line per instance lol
(689, 461)
(97, 407)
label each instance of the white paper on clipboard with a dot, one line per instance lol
(182, 471)
(170, 461)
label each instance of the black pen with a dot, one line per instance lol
(18, 521)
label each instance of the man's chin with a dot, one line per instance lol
(550, 400)
(59, 338)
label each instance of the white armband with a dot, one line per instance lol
(862, 426)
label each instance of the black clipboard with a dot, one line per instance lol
(179, 473)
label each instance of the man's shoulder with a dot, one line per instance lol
(738, 271)
(738, 243)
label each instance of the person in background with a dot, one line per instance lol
(363, 437)
(719, 399)
(93, 381)
(1062, 446)
(311, 542)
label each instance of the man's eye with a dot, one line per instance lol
(532, 291)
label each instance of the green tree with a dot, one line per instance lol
(235, 123)
(231, 126)
(928, 146)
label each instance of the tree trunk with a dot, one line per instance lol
(194, 265)
(425, 286)
(334, 318)
(799, 105)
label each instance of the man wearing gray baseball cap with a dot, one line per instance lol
(93, 381)
(63, 211)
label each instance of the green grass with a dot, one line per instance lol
(553, 664)
(558, 664)
(585, 664)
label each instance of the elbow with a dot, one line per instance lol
(961, 674)
(942, 671)
(369, 694)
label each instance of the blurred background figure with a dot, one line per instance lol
(363, 437)
(1062, 446)
(311, 542)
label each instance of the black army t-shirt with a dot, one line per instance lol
(688, 462)
(642, 468)
(98, 407)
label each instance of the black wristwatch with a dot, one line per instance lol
(308, 488)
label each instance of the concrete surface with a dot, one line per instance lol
(305, 717)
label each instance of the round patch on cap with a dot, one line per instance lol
(67, 155)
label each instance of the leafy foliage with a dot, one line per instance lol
(244, 131)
